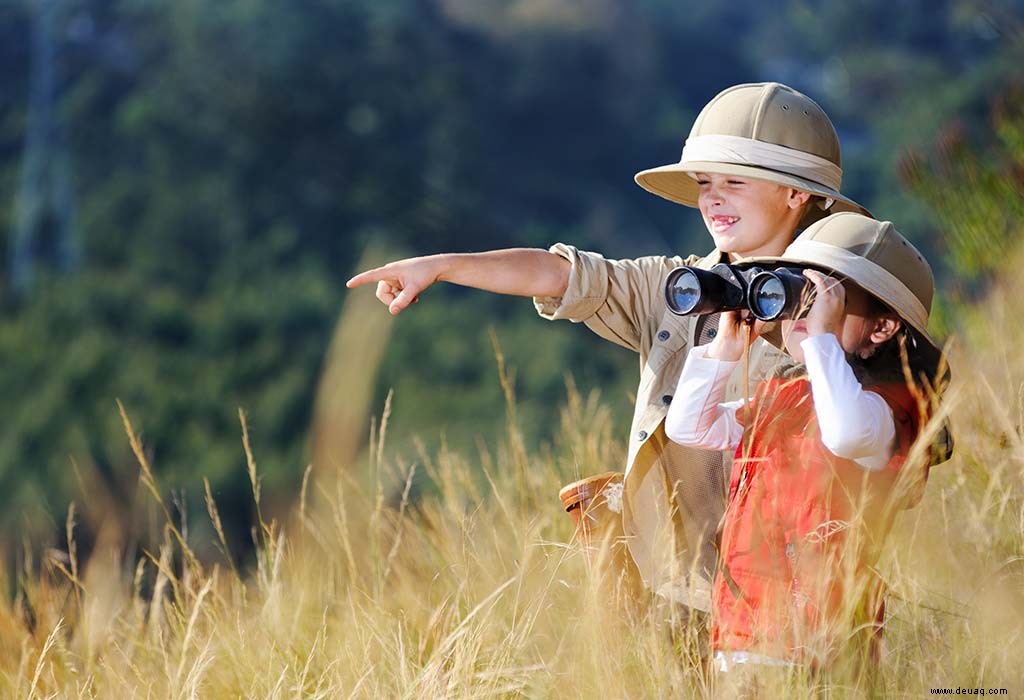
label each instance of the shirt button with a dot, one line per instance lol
(666, 399)
(712, 332)
(663, 335)
(642, 435)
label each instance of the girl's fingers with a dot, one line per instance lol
(729, 322)
(817, 278)
(822, 282)
(756, 327)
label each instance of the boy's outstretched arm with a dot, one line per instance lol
(528, 272)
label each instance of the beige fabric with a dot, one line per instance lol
(624, 302)
(871, 276)
(769, 114)
(875, 256)
(761, 154)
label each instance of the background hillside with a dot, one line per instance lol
(303, 497)
(185, 186)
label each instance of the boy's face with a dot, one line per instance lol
(748, 217)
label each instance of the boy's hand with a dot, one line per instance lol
(400, 283)
(732, 338)
(528, 272)
(829, 306)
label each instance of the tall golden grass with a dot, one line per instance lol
(475, 587)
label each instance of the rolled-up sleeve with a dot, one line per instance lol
(615, 298)
(586, 291)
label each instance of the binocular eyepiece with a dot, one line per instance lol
(770, 295)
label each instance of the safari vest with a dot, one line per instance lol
(803, 528)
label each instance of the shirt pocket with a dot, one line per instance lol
(666, 355)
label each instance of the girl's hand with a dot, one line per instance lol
(829, 307)
(732, 339)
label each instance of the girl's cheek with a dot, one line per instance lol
(792, 340)
(794, 350)
(853, 336)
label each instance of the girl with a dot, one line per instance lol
(820, 460)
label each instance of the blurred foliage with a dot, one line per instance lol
(977, 189)
(973, 183)
(232, 160)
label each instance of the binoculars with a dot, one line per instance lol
(770, 295)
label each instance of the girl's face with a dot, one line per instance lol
(859, 331)
(748, 217)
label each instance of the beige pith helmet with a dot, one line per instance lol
(875, 256)
(766, 131)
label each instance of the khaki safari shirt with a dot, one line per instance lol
(674, 496)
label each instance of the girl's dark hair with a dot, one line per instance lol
(886, 365)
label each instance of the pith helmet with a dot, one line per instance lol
(875, 256)
(766, 131)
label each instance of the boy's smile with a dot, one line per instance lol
(720, 224)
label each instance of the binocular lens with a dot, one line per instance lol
(769, 298)
(778, 294)
(771, 295)
(692, 290)
(684, 292)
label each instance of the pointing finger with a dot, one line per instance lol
(375, 275)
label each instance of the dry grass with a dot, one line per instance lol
(475, 588)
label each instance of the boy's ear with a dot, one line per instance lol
(885, 328)
(798, 199)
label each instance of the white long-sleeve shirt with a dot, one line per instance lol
(855, 424)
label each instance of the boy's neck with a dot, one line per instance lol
(772, 245)
(764, 251)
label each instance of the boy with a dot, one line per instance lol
(762, 161)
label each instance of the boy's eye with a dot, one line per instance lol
(703, 182)
(737, 182)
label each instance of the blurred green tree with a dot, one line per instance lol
(232, 161)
